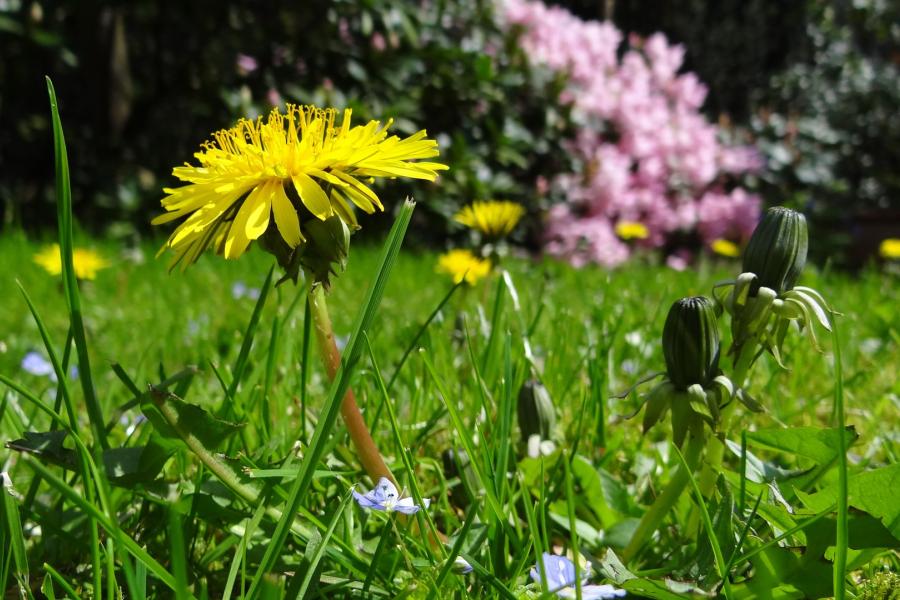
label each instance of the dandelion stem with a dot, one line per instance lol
(365, 446)
(654, 516)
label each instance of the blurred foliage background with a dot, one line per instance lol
(142, 83)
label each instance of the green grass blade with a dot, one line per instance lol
(320, 549)
(14, 535)
(401, 447)
(573, 526)
(61, 376)
(304, 367)
(177, 558)
(61, 581)
(240, 554)
(241, 363)
(70, 284)
(721, 565)
(455, 550)
(841, 542)
(339, 386)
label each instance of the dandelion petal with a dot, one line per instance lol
(286, 217)
(313, 196)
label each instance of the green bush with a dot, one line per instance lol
(833, 136)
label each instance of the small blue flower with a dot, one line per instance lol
(386, 497)
(461, 566)
(560, 573)
(36, 364)
(240, 290)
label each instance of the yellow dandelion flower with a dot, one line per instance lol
(298, 164)
(890, 248)
(86, 262)
(724, 247)
(632, 230)
(462, 264)
(493, 218)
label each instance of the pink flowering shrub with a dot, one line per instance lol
(645, 153)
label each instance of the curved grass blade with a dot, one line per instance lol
(70, 284)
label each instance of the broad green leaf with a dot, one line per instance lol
(139, 464)
(209, 430)
(874, 492)
(760, 471)
(819, 445)
(46, 445)
(124, 466)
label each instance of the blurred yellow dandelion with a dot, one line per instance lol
(86, 262)
(890, 248)
(724, 247)
(631, 230)
(493, 218)
(463, 265)
(280, 166)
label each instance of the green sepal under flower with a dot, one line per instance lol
(693, 408)
(321, 255)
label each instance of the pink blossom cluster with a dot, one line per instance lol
(645, 152)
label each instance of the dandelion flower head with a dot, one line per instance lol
(86, 262)
(724, 247)
(890, 248)
(463, 265)
(274, 173)
(631, 230)
(493, 218)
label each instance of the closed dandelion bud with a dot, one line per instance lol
(691, 342)
(537, 416)
(776, 253)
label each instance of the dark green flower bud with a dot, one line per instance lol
(691, 342)
(536, 412)
(776, 253)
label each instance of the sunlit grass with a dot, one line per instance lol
(592, 333)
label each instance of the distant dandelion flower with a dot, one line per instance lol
(464, 265)
(724, 247)
(890, 248)
(271, 168)
(385, 497)
(86, 262)
(493, 218)
(560, 572)
(631, 230)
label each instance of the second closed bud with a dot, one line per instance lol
(691, 342)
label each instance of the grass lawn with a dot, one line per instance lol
(586, 334)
